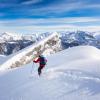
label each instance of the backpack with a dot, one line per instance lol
(43, 60)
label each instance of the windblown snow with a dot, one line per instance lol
(72, 74)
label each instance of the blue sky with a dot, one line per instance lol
(26, 16)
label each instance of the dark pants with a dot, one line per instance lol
(40, 68)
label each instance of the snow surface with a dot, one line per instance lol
(2, 57)
(72, 74)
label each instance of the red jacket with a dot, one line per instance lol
(38, 60)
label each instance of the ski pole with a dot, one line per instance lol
(32, 68)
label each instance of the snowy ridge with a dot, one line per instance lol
(4, 37)
(9, 36)
(81, 57)
(25, 55)
(72, 74)
(11, 43)
(70, 39)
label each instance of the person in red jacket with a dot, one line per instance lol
(42, 62)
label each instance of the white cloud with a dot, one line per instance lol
(39, 29)
(92, 6)
(57, 8)
(51, 24)
(31, 2)
(48, 21)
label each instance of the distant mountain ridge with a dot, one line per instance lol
(70, 39)
(11, 43)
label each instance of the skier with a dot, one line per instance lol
(42, 62)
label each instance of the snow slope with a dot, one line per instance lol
(72, 74)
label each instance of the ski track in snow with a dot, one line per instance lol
(82, 81)
(57, 83)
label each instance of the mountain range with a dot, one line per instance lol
(11, 43)
(70, 39)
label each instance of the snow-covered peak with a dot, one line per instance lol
(6, 36)
(9, 36)
(79, 38)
